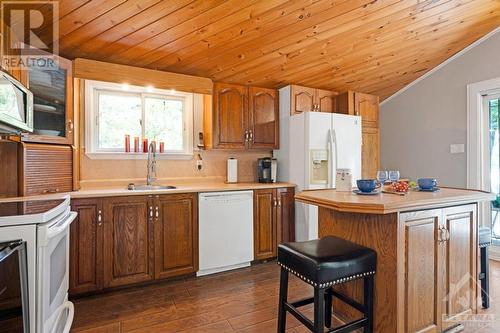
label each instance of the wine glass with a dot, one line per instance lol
(382, 177)
(393, 176)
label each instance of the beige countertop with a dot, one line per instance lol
(385, 203)
(182, 187)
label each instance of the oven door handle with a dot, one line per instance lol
(9, 249)
(61, 226)
(71, 311)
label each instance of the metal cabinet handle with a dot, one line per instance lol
(99, 218)
(250, 133)
(55, 190)
(151, 211)
(447, 234)
(275, 202)
(157, 212)
(279, 202)
(246, 136)
(70, 126)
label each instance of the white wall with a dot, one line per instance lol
(418, 125)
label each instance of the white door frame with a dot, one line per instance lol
(477, 146)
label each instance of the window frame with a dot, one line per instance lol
(92, 91)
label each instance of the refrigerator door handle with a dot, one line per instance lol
(332, 148)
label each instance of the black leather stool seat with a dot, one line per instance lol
(327, 261)
(484, 236)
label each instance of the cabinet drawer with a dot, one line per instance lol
(46, 169)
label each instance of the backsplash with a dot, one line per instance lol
(96, 173)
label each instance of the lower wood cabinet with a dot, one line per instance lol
(118, 241)
(274, 220)
(129, 240)
(440, 273)
(86, 241)
(176, 235)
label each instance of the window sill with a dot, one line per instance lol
(137, 156)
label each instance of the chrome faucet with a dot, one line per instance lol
(151, 177)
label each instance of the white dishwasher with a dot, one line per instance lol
(225, 231)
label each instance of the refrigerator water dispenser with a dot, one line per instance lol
(319, 166)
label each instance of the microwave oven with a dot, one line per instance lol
(16, 106)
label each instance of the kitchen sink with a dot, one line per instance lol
(133, 187)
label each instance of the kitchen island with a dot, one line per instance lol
(426, 244)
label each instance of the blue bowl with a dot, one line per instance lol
(366, 185)
(427, 183)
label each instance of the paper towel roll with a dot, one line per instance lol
(232, 170)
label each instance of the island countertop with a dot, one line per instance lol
(385, 203)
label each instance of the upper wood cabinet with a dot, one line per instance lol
(128, 246)
(230, 116)
(367, 107)
(176, 235)
(274, 221)
(439, 270)
(242, 118)
(305, 99)
(263, 118)
(86, 241)
(52, 103)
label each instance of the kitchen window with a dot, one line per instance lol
(115, 110)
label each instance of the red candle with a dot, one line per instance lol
(136, 144)
(162, 147)
(127, 143)
(145, 145)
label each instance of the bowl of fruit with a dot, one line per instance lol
(400, 186)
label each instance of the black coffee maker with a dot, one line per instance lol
(264, 170)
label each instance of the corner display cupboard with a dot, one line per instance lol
(126, 240)
(242, 117)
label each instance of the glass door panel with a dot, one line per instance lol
(492, 107)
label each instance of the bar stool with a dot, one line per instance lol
(484, 243)
(324, 263)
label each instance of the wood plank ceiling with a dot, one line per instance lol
(374, 46)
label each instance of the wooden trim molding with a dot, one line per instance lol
(109, 72)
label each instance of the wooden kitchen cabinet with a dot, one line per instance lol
(274, 221)
(367, 107)
(440, 271)
(263, 121)
(129, 241)
(242, 118)
(53, 117)
(86, 242)
(176, 235)
(305, 99)
(45, 169)
(230, 116)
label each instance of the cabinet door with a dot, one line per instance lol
(265, 230)
(326, 100)
(230, 116)
(422, 292)
(53, 103)
(263, 118)
(285, 215)
(176, 235)
(86, 240)
(370, 152)
(367, 106)
(459, 264)
(302, 99)
(128, 231)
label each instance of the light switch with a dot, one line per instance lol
(457, 148)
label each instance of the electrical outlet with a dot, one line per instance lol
(457, 148)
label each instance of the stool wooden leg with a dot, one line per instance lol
(485, 285)
(283, 297)
(368, 300)
(319, 310)
(328, 308)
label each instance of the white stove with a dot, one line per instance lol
(43, 224)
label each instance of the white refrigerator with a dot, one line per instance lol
(313, 145)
